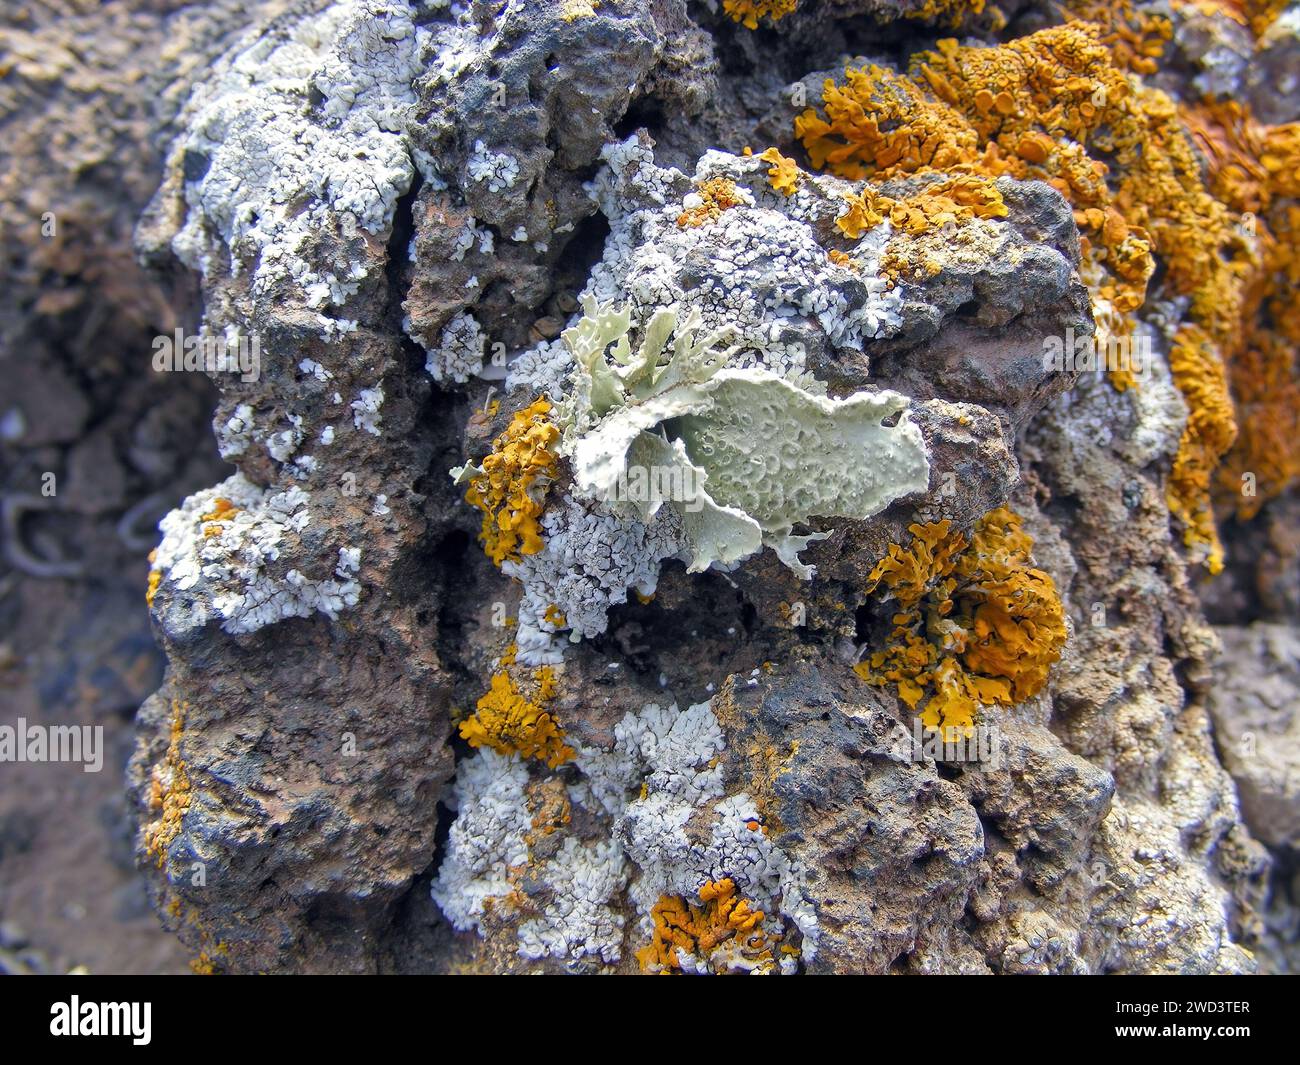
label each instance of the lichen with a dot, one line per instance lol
(662, 770)
(708, 201)
(511, 724)
(169, 791)
(1061, 106)
(1136, 38)
(947, 202)
(728, 421)
(279, 172)
(748, 12)
(1253, 168)
(593, 556)
(221, 558)
(951, 12)
(721, 932)
(572, 10)
(510, 485)
(1209, 433)
(783, 174)
(974, 624)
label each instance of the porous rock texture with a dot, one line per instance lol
(406, 205)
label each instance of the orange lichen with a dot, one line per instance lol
(510, 723)
(1063, 106)
(1255, 15)
(155, 579)
(549, 802)
(1211, 428)
(976, 624)
(715, 195)
(951, 12)
(865, 211)
(1255, 170)
(723, 931)
(169, 790)
(748, 12)
(1018, 623)
(783, 174)
(879, 121)
(222, 511)
(1265, 382)
(1136, 39)
(943, 203)
(1261, 14)
(511, 485)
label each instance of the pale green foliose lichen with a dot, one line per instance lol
(750, 453)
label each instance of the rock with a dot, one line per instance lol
(458, 276)
(1254, 702)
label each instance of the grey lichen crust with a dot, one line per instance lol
(435, 216)
(661, 773)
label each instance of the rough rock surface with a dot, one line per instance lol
(374, 750)
(1255, 705)
(1106, 838)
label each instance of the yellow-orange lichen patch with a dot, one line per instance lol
(748, 12)
(951, 12)
(1199, 373)
(208, 963)
(1255, 15)
(222, 511)
(976, 625)
(1017, 621)
(1265, 381)
(714, 196)
(866, 210)
(1135, 38)
(510, 722)
(169, 791)
(723, 932)
(1255, 169)
(878, 122)
(572, 10)
(783, 174)
(511, 486)
(548, 800)
(155, 579)
(944, 203)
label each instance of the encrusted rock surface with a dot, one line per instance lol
(336, 596)
(517, 717)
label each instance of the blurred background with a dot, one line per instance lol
(94, 448)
